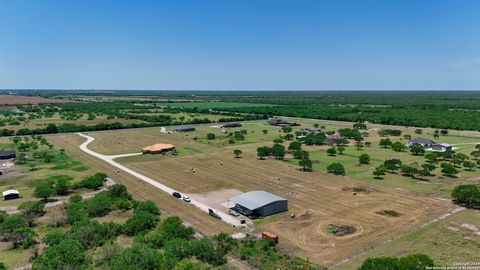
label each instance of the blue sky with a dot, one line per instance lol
(240, 44)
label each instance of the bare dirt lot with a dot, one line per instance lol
(14, 99)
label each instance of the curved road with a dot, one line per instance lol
(110, 160)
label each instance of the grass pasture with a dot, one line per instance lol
(317, 199)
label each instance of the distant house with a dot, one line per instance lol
(8, 154)
(277, 121)
(442, 147)
(423, 142)
(185, 128)
(159, 148)
(11, 194)
(232, 124)
(333, 137)
(311, 130)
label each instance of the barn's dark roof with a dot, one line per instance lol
(7, 153)
(255, 199)
(421, 140)
(184, 127)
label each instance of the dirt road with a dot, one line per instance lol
(110, 160)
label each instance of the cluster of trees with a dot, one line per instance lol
(61, 186)
(468, 195)
(277, 150)
(411, 262)
(16, 229)
(389, 132)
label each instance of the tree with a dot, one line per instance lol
(468, 195)
(469, 165)
(475, 154)
(139, 222)
(360, 125)
(410, 262)
(398, 146)
(108, 252)
(432, 156)
(415, 262)
(368, 144)
(449, 170)
(31, 210)
(381, 263)
(417, 150)
(316, 125)
(278, 140)
(364, 159)
(444, 132)
(237, 153)
(210, 136)
(263, 151)
(300, 154)
(51, 128)
(295, 145)
(278, 151)
(288, 136)
(408, 170)
(62, 186)
(306, 164)
(147, 206)
(427, 168)
(392, 164)
(477, 146)
(336, 168)
(418, 131)
(286, 129)
(340, 150)
(44, 190)
(264, 131)
(332, 151)
(385, 143)
(379, 172)
(68, 254)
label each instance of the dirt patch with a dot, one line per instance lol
(340, 230)
(388, 213)
(358, 189)
(13, 99)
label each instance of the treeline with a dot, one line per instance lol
(425, 117)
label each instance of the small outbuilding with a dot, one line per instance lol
(185, 128)
(259, 203)
(232, 124)
(11, 194)
(277, 121)
(159, 148)
(312, 130)
(423, 142)
(442, 147)
(8, 154)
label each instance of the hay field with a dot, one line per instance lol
(317, 199)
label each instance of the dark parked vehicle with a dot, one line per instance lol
(213, 214)
(177, 195)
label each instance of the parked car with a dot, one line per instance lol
(186, 199)
(233, 213)
(213, 214)
(177, 195)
